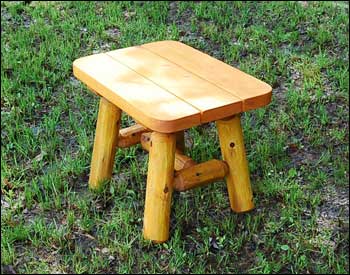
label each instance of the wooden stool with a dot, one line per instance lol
(168, 87)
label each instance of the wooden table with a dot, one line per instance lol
(168, 87)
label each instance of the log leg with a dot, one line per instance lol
(233, 152)
(159, 187)
(106, 139)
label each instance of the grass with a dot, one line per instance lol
(297, 146)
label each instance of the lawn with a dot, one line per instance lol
(297, 147)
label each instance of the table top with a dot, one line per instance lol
(168, 86)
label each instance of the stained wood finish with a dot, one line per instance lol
(159, 187)
(106, 139)
(200, 175)
(233, 152)
(169, 86)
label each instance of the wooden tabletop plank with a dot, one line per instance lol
(213, 102)
(253, 92)
(152, 106)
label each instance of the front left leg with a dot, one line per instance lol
(159, 187)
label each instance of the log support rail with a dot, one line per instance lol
(188, 174)
(181, 161)
(131, 135)
(200, 175)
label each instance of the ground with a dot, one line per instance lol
(297, 147)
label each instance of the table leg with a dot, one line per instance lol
(159, 187)
(105, 144)
(233, 152)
